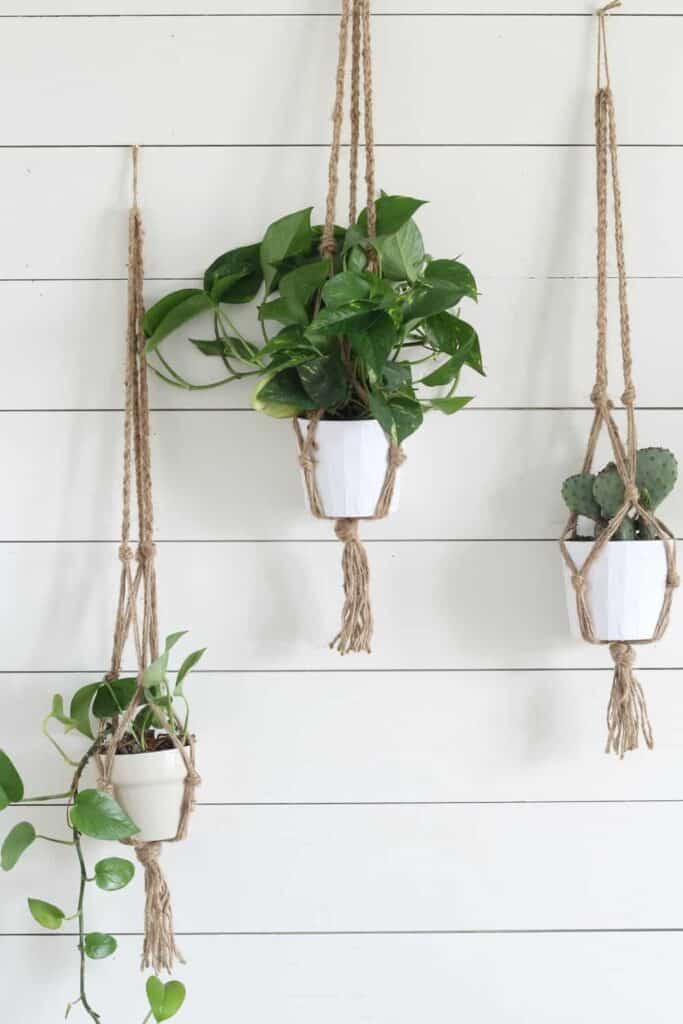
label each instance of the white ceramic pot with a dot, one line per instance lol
(150, 789)
(624, 586)
(351, 464)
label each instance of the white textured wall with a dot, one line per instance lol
(432, 834)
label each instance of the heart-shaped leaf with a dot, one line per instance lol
(392, 212)
(402, 254)
(235, 276)
(113, 873)
(455, 275)
(289, 236)
(451, 405)
(80, 708)
(46, 914)
(187, 666)
(10, 782)
(113, 697)
(164, 999)
(18, 840)
(171, 312)
(99, 945)
(98, 815)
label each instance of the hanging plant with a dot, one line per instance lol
(151, 809)
(138, 726)
(621, 579)
(362, 335)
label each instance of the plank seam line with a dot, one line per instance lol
(326, 145)
(407, 803)
(325, 14)
(336, 671)
(375, 931)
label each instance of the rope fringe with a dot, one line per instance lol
(627, 716)
(159, 950)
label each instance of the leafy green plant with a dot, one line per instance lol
(96, 814)
(365, 333)
(599, 497)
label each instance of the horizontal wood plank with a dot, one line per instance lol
(234, 475)
(508, 212)
(118, 80)
(363, 736)
(66, 347)
(384, 869)
(395, 979)
(459, 605)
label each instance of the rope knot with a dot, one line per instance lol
(629, 395)
(125, 552)
(579, 582)
(673, 580)
(623, 655)
(346, 530)
(105, 786)
(396, 456)
(631, 493)
(307, 462)
(147, 550)
(328, 247)
(600, 399)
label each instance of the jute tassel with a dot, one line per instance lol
(356, 625)
(627, 715)
(159, 950)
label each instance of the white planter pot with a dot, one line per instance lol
(150, 789)
(351, 464)
(624, 587)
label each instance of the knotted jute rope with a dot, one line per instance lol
(356, 629)
(627, 717)
(137, 610)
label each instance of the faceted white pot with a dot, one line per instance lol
(351, 465)
(624, 587)
(150, 788)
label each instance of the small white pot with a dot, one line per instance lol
(624, 586)
(351, 465)
(150, 789)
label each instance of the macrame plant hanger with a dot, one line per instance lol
(355, 633)
(627, 716)
(137, 604)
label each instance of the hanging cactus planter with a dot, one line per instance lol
(369, 335)
(621, 579)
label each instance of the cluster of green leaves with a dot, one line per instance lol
(347, 325)
(96, 814)
(157, 710)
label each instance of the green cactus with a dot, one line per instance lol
(608, 491)
(577, 492)
(600, 497)
(656, 473)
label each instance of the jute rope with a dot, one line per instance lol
(355, 633)
(627, 716)
(137, 609)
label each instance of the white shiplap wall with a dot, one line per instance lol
(433, 833)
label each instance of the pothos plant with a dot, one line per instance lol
(96, 814)
(368, 332)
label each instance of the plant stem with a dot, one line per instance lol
(50, 839)
(41, 799)
(148, 1017)
(84, 876)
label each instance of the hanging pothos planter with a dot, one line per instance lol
(366, 326)
(620, 581)
(136, 728)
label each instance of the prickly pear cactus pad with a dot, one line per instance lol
(577, 492)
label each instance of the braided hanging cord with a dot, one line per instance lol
(627, 717)
(355, 633)
(137, 609)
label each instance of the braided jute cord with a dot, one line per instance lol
(137, 608)
(627, 717)
(355, 633)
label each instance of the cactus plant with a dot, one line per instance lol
(600, 497)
